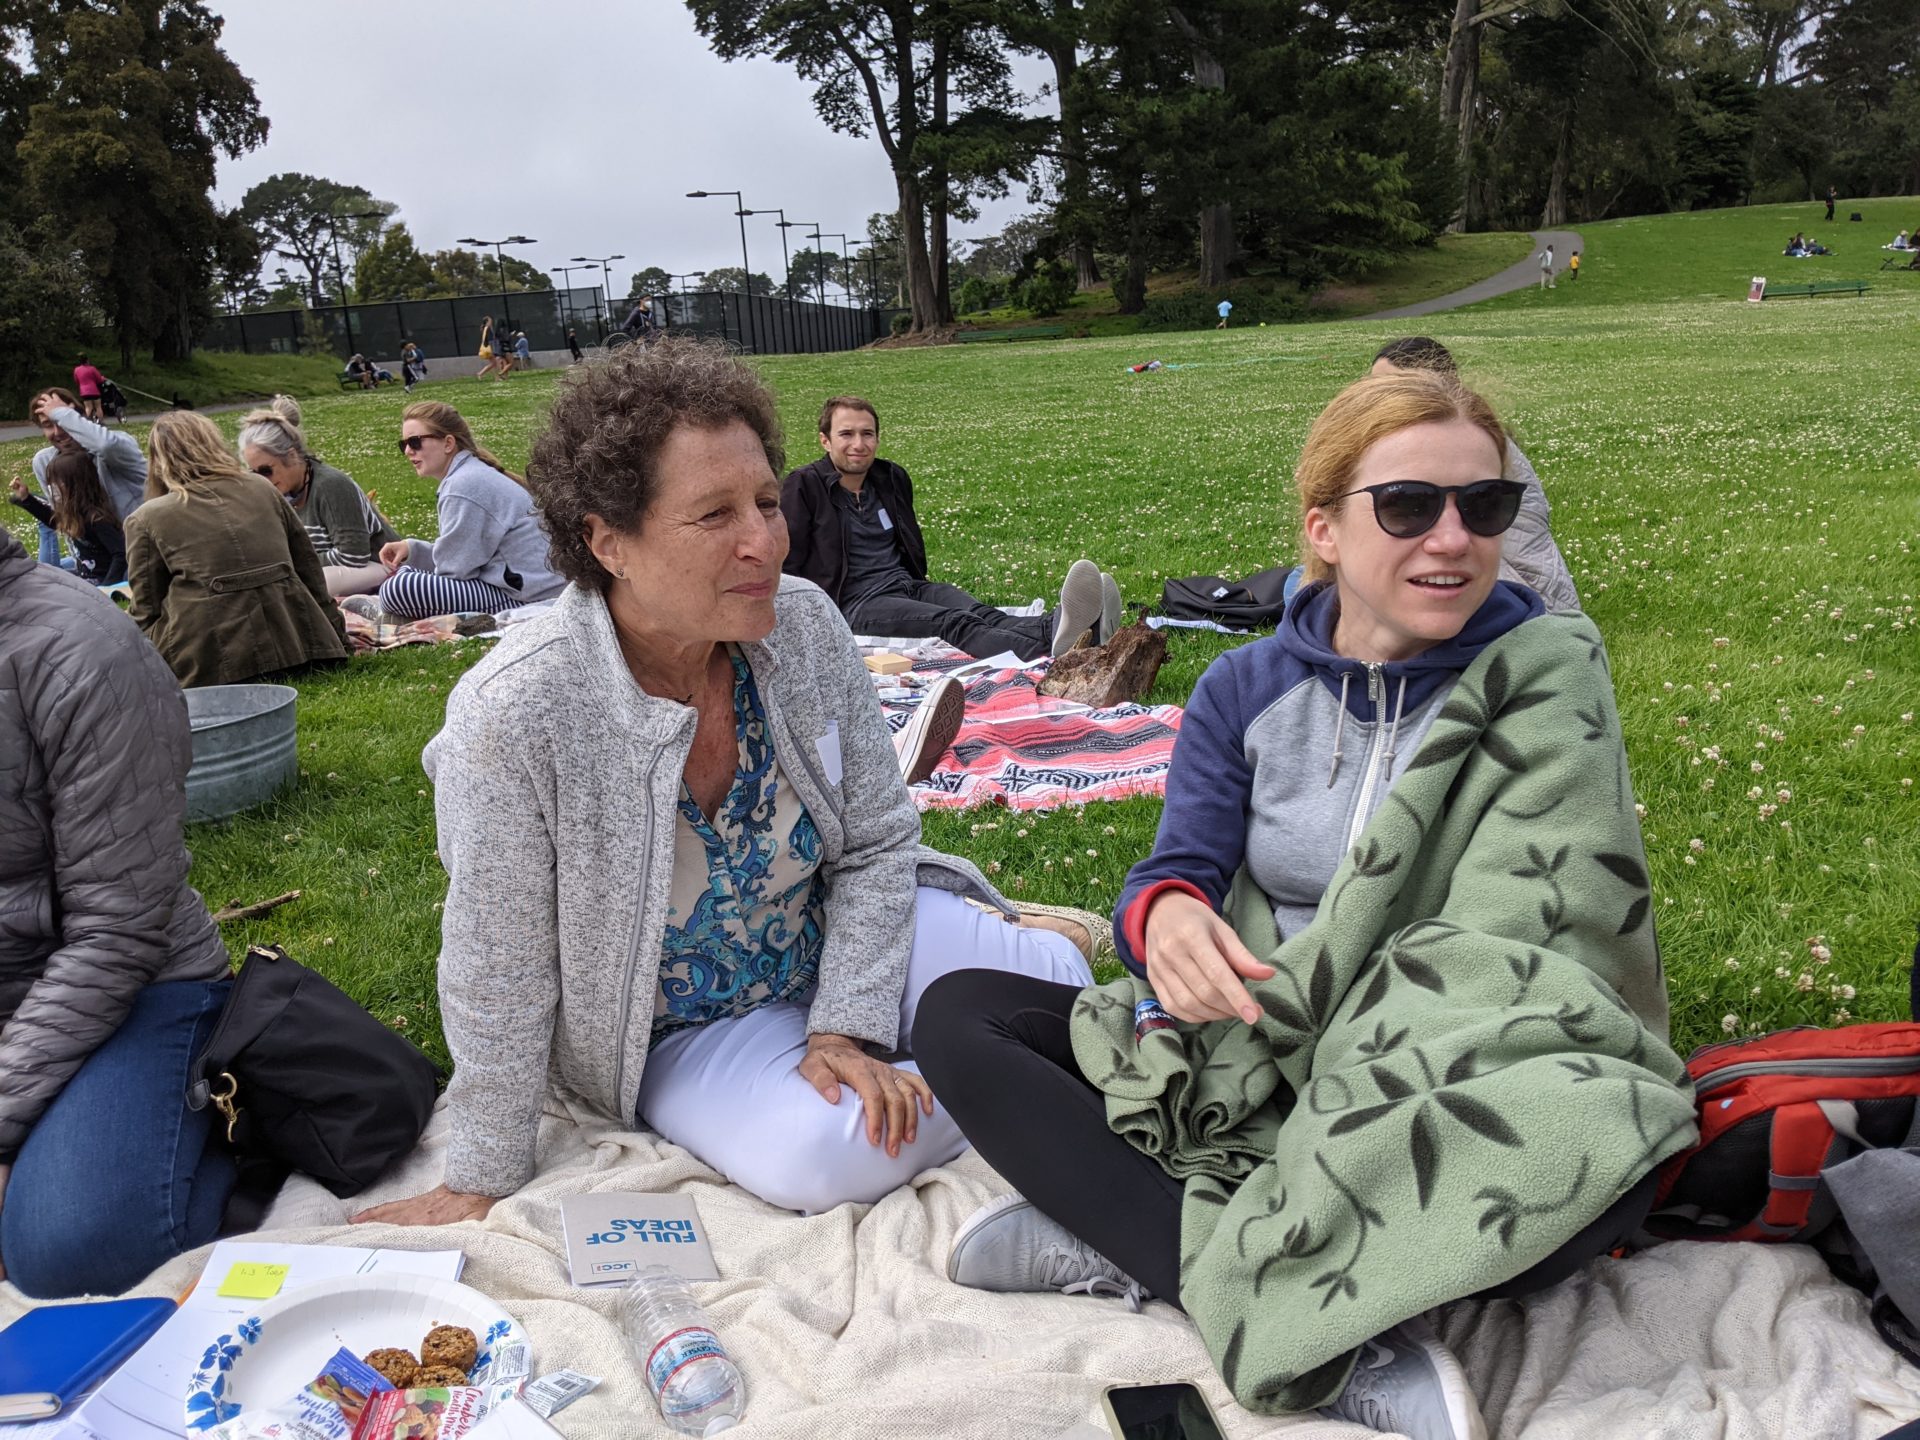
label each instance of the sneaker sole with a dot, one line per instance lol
(1080, 602)
(1463, 1409)
(978, 1221)
(938, 721)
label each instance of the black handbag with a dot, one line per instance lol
(1249, 604)
(307, 1080)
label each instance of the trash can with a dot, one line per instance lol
(245, 748)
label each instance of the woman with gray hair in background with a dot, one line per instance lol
(685, 877)
(346, 530)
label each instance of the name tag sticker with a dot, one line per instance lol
(886, 520)
(829, 747)
(252, 1280)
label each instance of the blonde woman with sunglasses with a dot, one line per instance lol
(491, 554)
(346, 529)
(1399, 861)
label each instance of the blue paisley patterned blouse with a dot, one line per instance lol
(743, 923)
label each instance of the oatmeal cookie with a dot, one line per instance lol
(452, 1345)
(396, 1367)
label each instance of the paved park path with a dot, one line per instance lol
(21, 430)
(1517, 276)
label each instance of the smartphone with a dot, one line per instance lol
(1160, 1412)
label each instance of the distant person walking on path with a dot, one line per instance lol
(1546, 269)
(573, 344)
(1226, 308)
(88, 380)
(1833, 197)
(413, 365)
(493, 350)
(1573, 266)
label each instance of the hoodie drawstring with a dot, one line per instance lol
(1399, 709)
(1339, 727)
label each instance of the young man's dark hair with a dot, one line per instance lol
(1417, 352)
(846, 402)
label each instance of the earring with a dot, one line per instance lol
(622, 574)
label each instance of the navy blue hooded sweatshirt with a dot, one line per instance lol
(1286, 751)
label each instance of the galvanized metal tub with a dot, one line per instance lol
(245, 748)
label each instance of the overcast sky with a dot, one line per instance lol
(579, 122)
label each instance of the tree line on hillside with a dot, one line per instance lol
(1319, 138)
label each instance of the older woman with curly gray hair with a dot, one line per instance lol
(686, 877)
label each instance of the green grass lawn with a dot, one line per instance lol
(1451, 263)
(1713, 254)
(208, 377)
(1733, 486)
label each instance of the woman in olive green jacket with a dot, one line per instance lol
(225, 581)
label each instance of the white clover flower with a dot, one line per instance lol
(1729, 1023)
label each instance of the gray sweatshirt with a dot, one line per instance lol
(488, 531)
(116, 455)
(1527, 551)
(556, 785)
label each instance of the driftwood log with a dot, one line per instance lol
(1123, 669)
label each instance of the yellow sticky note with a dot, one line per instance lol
(252, 1280)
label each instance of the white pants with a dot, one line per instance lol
(731, 1092)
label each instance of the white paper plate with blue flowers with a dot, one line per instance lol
(266, 1358)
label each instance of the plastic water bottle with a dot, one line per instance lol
(698, 1389)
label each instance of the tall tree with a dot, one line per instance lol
(136, 99)
(1056, 29)
(650, 281)
(392, 268)
(300, 216)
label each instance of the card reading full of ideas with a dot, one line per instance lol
(612, 1234)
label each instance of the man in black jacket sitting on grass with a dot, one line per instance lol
(851, 530)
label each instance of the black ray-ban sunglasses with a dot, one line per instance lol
(414, 442)
(1408, 508)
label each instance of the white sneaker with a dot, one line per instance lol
(1010, 1247)
(1079, 608)
(1112, 611)
(1408, 1383)
(930, 729)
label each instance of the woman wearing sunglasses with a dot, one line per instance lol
(346, 530)
(1343, 796)
(491, 555)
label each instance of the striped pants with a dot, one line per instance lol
(415, 594)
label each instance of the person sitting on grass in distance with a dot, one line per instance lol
(684, 876)
(1527, 551)
(346, 530)
(82, 513)
(225, 582)
(112, 975)
(854, 534)
(116, 455)
(491, 555)
(1398, 842)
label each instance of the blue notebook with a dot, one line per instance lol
(52, 1356)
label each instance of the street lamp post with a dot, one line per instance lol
(746, 265)
(831, 235)
(786, 225)
(565, 272)
(786, 259)
(346, 315)
(500, 267)
(606, 277)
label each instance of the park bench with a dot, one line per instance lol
(1023, 332)
(1818, 287)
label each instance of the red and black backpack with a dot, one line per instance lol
(1778, 1111)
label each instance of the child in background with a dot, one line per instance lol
(81, 511)
(1573, 266)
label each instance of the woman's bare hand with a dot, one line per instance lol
(393, 555)
(1196, 964)
(439, 1206)
(17, 487)
(893, 1099)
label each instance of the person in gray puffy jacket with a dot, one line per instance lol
(111, 972)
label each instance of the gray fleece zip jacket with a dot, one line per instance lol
(488, 531)
(116, 455)
(556, 785)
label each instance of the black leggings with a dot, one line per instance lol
(995, 1048)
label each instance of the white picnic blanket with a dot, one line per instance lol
(844, 1323)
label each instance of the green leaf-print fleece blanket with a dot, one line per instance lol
(1462, 1060)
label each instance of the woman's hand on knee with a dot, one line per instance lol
(893, 1100)
(439, 1206)
(1197, 965)
(393, 555)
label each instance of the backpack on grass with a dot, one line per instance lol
(1249, 604)
(1811, 1135)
